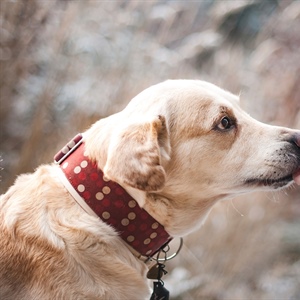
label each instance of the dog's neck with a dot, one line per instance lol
(167, 206)
(109, 201)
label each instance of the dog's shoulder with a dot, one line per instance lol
(50, 247)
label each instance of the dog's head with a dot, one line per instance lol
(189, 141)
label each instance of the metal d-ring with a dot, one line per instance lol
(171, 256)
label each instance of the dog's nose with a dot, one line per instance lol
(296, 139)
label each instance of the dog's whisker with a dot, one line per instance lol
(231, 201)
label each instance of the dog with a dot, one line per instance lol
(176, 149)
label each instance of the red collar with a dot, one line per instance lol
(111, 203)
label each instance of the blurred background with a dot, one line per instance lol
(65, 64)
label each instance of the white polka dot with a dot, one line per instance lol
(85, 154)
(77, 170)
(105, 179)
(132, 204)
(154, 225)
(65, 150)
(99, 196)
(65, 165)
(153, 235)
(131, 216)
(125, 222)
(84, 164)
(148, 252)
(81, 188)
(106, 215)
(130, 238)
(106, 190)
(71, 144)
(147, 241)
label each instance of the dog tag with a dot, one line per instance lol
(156, 272)
(159, 291)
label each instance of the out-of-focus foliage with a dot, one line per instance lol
(65, 64)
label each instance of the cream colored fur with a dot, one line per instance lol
(169, 149)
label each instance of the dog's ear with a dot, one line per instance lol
(136, 155)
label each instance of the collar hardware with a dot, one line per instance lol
(165, 249)
(71, 146)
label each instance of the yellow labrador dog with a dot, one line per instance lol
(82, 228)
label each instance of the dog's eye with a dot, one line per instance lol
(225, 124)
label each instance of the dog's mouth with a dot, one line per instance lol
(275, 183)
(296, 176)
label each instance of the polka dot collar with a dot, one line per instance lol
(109, 201)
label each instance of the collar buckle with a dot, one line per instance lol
(71, 146)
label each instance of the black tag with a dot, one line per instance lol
(159, 291)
